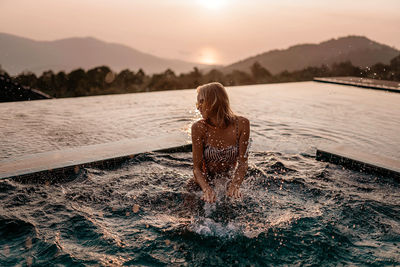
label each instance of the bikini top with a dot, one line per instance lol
(228, 154)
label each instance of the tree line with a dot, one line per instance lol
(102, 80)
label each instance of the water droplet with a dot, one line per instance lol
(135, 208)
(28, 243)
(76, 169)
(6, 250)
(29, 260)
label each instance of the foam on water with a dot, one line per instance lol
(208, 227)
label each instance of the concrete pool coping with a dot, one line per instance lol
(354, 159)
(47, 165)
(62, 164)
(362, 82)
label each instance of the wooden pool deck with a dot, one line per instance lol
(390, 86)
(47, 166)
(360, 161)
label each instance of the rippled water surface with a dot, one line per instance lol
(291, 117)
(295, 210)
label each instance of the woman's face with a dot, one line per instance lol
(201, 106)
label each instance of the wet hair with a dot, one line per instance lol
(217, 101)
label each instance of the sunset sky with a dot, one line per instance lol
(216, 32)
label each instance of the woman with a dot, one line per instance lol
(219, 141)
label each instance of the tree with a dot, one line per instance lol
(164, 81)
(96, 77)
(77, 83)
(395, 64)
(28, 79)
(3, 72)
(46, 82)
(395, 68)
(60, 84)
(238, 77)
(195, 78)
(345, 69)
(214, 76)
(260, 74)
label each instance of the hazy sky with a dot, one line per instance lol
(218, 31)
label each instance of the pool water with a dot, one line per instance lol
(294, 211)
(287, 117)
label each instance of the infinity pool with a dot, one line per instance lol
(295, 210)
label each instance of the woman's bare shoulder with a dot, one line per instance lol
(199, 127)
(243, 121)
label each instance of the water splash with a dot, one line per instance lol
(293, 211)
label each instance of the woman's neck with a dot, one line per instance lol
(214, 123)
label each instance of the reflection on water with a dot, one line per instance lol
(291, 117)
(294, 210)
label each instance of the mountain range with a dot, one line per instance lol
(18, 54)
(359, 50)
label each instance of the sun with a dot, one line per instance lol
(212, 4)
(208, 56)
(209, 60)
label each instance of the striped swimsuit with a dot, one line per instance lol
(213, 154)
(223, 155)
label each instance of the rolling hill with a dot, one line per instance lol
(359, 50)
(18, 54)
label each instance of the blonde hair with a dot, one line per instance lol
(216, 99)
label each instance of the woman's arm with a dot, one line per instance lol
(240, 172)
(198, 132)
